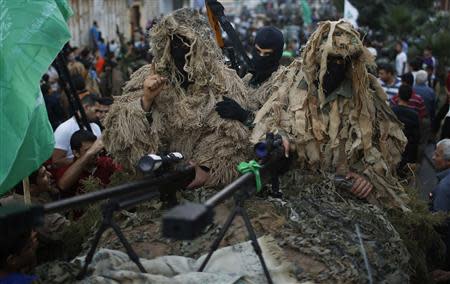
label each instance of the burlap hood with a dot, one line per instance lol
(206, 60)
(360, 133)
(181, 120)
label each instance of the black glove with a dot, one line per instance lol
(230, 109)
(216, 7)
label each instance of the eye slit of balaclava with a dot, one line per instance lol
(335, 74)
(179, 47)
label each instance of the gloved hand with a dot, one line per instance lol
(230, 109)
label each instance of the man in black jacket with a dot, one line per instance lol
(410, 119)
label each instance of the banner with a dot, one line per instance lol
(31, 35)
(351, 13)
(307, 16)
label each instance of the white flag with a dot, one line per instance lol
(350, 13)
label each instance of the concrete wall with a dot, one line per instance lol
(108, 14)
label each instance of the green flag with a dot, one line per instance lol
(307, 18)
(32, 32)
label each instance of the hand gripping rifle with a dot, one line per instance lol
(158, 182)
(186, 222)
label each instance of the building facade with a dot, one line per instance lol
(127, 15)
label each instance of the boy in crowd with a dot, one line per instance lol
(87, 162)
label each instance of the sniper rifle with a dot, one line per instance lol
(158, 182)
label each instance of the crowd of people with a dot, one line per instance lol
(215, 111)
(417, 100)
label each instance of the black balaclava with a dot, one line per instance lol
(266, 38)
(178, 50)
(335, 75)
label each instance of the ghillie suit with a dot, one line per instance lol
(354, 131)
(258, 95)
(182, 120)
(349, 129)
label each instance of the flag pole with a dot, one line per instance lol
(26, 191)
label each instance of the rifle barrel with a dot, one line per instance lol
(229, 190)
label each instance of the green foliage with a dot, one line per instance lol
(398, 18)
(399, 21)
(435, 34)
(417, 21)
(418, 232)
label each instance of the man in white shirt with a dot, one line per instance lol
(62, 155)
(400, 60)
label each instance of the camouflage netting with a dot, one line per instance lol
(323, 227)
(315, 229)
(182, 120)
(359, 134)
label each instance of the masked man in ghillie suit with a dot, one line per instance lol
(333, 118)
(266, 55)
(171, 108)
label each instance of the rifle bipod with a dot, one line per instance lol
(239, 209)
(108, 210)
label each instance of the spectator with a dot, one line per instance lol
(17, 255)
(94, 35)
(52, 75)
(87, 163)
(100, 63)
(75, 67)
(86, 58)
(140, 44)
(441, 193)
(432, 80)
(102, 47)
(80, 86)
(62, 155)
(103, 108)
(400, 59)
(54, 109)
(443, 114)
(111, 80)
(415, 66)
(428, 59)
(368, 44)
(405, 45)
(114, 48)
(411, 129)
(389, 82)
(415, 102)
(42, 191)
(426, 93)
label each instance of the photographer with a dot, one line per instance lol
(87, 163)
